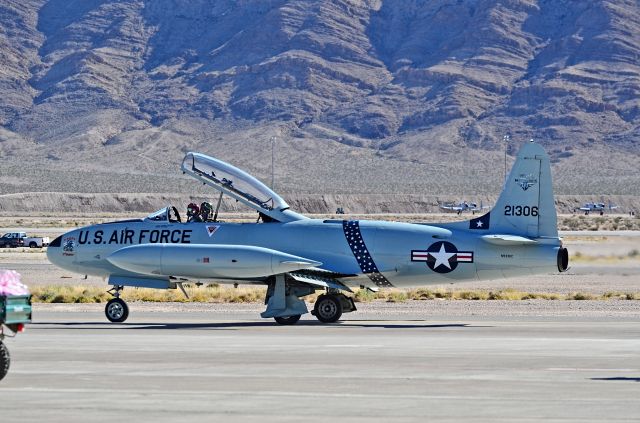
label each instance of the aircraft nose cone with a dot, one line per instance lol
(55, 254)
(53, 250)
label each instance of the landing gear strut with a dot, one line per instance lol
(116, 309)
(283, 301)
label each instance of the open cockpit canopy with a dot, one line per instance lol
(239, 185)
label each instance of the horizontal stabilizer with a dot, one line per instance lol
(508, 240)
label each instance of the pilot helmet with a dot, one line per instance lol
(192, 209)
(206, 209)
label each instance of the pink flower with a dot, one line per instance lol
(10, 283)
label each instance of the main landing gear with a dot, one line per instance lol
(116, 309)
(330, 306)
(286, 306)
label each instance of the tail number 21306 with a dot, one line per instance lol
(520, 210)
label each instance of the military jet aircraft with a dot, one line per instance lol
(294, 256)
(463, 206)
(596, 207)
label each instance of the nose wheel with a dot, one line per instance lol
(116, 310)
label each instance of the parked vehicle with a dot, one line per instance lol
(20, 239)
(15, 312)
(36, 241)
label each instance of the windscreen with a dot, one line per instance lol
(158, 216)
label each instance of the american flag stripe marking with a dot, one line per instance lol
(420, 255)
(353, 235)
(465, 256)
(461, 256)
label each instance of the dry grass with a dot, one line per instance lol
(578, 257)
(214, 293)
(508, 294)
(211, 293)
(598, 223)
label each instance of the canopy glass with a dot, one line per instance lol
(232, 181)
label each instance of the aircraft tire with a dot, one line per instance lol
(116, 310)
(5, 360)
(327, 308)
(288, 320)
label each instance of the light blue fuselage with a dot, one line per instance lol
(393, 248)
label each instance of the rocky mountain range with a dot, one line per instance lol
(362, 96)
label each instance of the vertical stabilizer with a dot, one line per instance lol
(526, 206)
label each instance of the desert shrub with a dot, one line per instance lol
(581, 296)
(509, 294)
(443, 294)
(365, 296)
(397, 297)
(421, 294)
(473, 295)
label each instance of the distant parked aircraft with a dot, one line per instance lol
(462, 207)
(596, 207)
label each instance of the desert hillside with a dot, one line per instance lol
(360, 96)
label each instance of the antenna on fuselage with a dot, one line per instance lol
(273, 147)
(505, 139)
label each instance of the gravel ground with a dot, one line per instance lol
(434, 309)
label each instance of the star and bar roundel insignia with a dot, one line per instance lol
(442, 256)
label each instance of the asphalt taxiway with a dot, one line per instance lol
(203, 365)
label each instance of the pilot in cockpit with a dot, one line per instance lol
(205, 211)
(193, 213)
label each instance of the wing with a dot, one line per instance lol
(321, 278)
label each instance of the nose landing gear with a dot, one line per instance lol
(116, 309)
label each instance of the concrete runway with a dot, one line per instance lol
(213, 366)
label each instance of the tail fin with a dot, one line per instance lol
(526, 206)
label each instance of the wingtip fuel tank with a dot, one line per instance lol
(207, 261)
